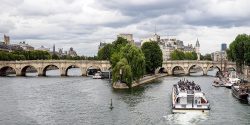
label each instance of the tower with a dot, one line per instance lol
(54, 49)
(197, 49)
(6, 39)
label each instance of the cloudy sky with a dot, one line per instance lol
(82, 24)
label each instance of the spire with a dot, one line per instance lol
(197, 43)
(54, 49)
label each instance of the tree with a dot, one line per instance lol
(131, 61)
(105, 52)
(153, 56)
(177, 55)
(190, 56)
(206, 57)
(239, 51)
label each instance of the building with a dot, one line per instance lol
(197, 49)
(168, 45)
(72, 52)
(42, 48)
(128, 37)
(54, 49)
(219, 56)
(26, 46)
(155, 38)
(223, 47)
(6, 39)
(101, 45)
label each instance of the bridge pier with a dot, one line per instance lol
(84, 71)
(63, 72)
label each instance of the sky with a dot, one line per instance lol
(83, 24)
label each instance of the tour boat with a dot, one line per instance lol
(97, 75)
(187, 96)
(240, 92)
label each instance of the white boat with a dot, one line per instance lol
(232, 79)
(187, 96)
(97, 75)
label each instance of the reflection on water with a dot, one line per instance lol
(74, 72)
(53, 72)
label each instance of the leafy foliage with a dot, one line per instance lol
(206, 57)
(153, 56)
(105, 52)
(180, 55)
(239, 51)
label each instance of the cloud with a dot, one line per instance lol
(83, 24)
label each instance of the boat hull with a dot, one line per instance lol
(175, 110)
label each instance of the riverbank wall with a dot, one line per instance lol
(142, 81)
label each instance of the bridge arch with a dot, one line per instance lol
(178, 70)
(193, 66)
(91, 70)
(214, 66)
(72, 66)
(161, 70)
(50, 67)
(231, 68)
(7, 70)
(28, 67)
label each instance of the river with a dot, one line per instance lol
(84, 101)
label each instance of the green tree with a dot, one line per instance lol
(153, 56)
(105, 52)
(239, 51)
(55, 56)
(131, 61)
(206, 57)
(177, 55)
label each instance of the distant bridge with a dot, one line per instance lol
(186, 65)
(41, 66)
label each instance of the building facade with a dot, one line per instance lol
(72, 52)
(6, 39)
(155, 38)
(169, 45)
(42, 48)
(26, 46)
(219, 56)
(128, 37)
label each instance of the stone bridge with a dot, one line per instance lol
(41, 66)
(186, 65)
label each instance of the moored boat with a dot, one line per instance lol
(97, 75)
(187, 96)
(240, 92)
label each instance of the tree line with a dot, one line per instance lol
(38, 55)
(239, 51)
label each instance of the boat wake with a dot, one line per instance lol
(188, 118)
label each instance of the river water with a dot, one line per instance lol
(85, 101)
